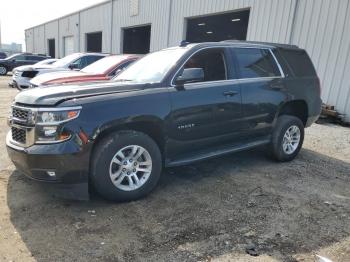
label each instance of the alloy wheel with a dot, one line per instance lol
(291, 140)
(130, 168)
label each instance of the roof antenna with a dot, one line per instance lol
(184, 43)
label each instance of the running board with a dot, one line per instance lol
(216, 152)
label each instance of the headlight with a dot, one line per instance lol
(50, 124)
(56, 117)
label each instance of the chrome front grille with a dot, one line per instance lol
(22, 122)
(19, 135)
(20, 113)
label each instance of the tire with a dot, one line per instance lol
(286, 149)
(3, 70)
(103, 169)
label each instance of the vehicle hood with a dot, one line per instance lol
(21, 68)
(55, 76)
(53, 95)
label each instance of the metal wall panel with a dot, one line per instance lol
(52, 32)
(270, 20)
(39, 39)
(95, 19)
(322, 27)
(153, 12)
(29, 35)
(69, 26)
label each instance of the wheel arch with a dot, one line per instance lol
(149, 125)
(297, 108)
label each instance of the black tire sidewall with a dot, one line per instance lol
(103, 155)
(283, 123)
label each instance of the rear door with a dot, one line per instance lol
(262, 85)
(205, 113)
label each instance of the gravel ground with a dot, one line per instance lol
(217, 210)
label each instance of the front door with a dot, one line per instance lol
(205, 113)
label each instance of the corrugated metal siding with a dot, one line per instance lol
(52, 32)
(96, 19)
(268, 19)
(39, 36)
(29, 34)
(153, 12)
(323, 28)
(69, 26)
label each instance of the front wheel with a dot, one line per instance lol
(3, 70)
(287, 138)
(126, 166)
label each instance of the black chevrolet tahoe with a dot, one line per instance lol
(172, 107)
(11, 62)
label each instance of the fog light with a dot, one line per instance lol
(51, 173)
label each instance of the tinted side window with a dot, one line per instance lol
(212, 61)
(38, 58)
(91, 59)
(31, 58)
(19, 58)
(299, 62)
(255, 63)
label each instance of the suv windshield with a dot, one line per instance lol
(66, 60)
(153, 67)
(102, 65)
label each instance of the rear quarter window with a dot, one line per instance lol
(299, 62)
(256, 63)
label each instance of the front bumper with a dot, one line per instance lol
(20, 82)
(65, 164)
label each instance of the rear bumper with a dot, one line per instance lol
(63, 164)
(311, 120)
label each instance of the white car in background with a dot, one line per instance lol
(17, 71)
(22, 76)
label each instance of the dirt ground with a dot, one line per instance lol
(217, 210)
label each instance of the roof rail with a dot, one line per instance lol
(262, 43)
(184, 43)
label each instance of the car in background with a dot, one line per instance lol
(9, 63)
(3, 55)
(16, 71)
(102, 70)
(74, 61)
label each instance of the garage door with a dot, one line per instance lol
(94, 42)
(226, 26)
(137, 40)
(68, 43)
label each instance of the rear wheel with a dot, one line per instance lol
(126, 166)
(287, 138)
(3, 70)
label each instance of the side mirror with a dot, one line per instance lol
(13, 60)
(190, 75)
(73, 66)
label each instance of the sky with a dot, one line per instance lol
(18, 15)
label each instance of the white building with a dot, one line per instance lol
(322, 27)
